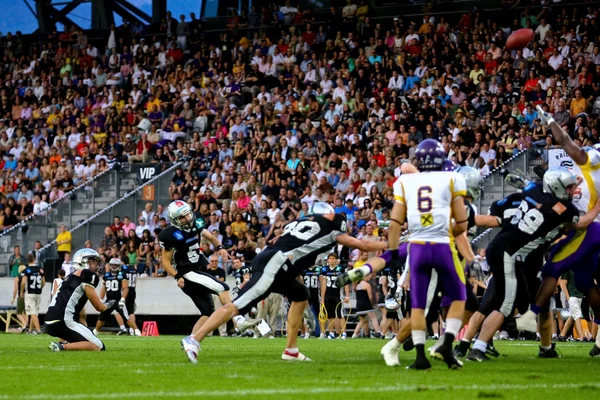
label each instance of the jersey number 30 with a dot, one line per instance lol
(304, 230)
(528, 220)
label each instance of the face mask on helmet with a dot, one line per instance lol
(93, 263)
(115, 266)
(186, 221)
(561, 182)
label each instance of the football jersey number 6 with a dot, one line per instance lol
(302, 230)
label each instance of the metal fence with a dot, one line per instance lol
(155, 191)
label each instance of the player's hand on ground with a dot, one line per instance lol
(180, 283)
(121, 304)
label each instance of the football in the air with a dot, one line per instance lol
(519, 39)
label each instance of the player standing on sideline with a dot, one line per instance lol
(311, 281)
(578, 252)
(132, 276)
(63, 313)
(276, 268)
(34, 282)
(542, 213)
(115, 288)
(330, 296)
(181, 246)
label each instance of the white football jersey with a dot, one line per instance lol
(428, 197)
(589, 190)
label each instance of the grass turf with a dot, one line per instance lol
(232, 367)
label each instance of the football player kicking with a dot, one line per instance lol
(578, 252)
(276, 269)
(541, 215)
(180, 243)
(115, 288)
(68, 303)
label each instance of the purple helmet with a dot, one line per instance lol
(449, 166)
(430, 155)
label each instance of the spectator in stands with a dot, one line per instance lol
(15, 260)
(63, 241)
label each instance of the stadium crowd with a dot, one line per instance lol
(285, 109)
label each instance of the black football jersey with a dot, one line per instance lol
(131, 275)
(330, 275)
(471, 226)
(113, 282)
(306, 238)
(391, 276)
(70, 298)
(239, 274)
(188, 256)
(311, 279)
(34, 276)
(534, 223)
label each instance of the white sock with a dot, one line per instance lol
(122, 327)
(238, 319)
(95, 332)
(292, 351)
(453, 325)
(395, 344)
(480, 345)
(419, 337)
(546, 347)
(598, 339)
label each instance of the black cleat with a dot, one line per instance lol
(595, 351)
(491, 351)
(123, 332)
(548, 353)
(477, 355)
(449, 358)
(462, 349)
(408, 344)
(420, 364)
(561, 338)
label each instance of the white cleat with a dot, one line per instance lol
(390, 354)
(527, 322)
(247, 324)
(191, 347)
(433, 350)
(294, 357)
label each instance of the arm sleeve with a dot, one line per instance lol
(399, 191)
(458, 186)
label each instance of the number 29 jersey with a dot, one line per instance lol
(428, 199)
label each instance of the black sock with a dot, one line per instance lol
(464, 346)
(420, 351)
(491, 343)
(448, 339)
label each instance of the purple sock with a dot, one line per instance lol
(597, 321)
(536, 309)
(370, 268)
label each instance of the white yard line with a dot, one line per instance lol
(301, 391)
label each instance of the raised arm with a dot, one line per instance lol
(562, 138)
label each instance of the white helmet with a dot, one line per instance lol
(557, 180)
(321, 208)
(115, 264)
(82, 258)
(178, 209)
(473, 180)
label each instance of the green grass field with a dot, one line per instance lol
(251, 369)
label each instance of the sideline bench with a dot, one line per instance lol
(11, 315)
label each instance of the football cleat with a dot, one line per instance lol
(446, 354)
(331, 335)
(491, 350)
(307, 336)
(287, 356)
(595, 351)
(527, 322)
(247, 324)
(55, 346)
(545, 117)
(478, 356)
(461, 349)
(420, 364)
(549, 353)
(390, 354)
(433, 350)
(347, 278)
(191, 347)
(343, 336)
(123, 332)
